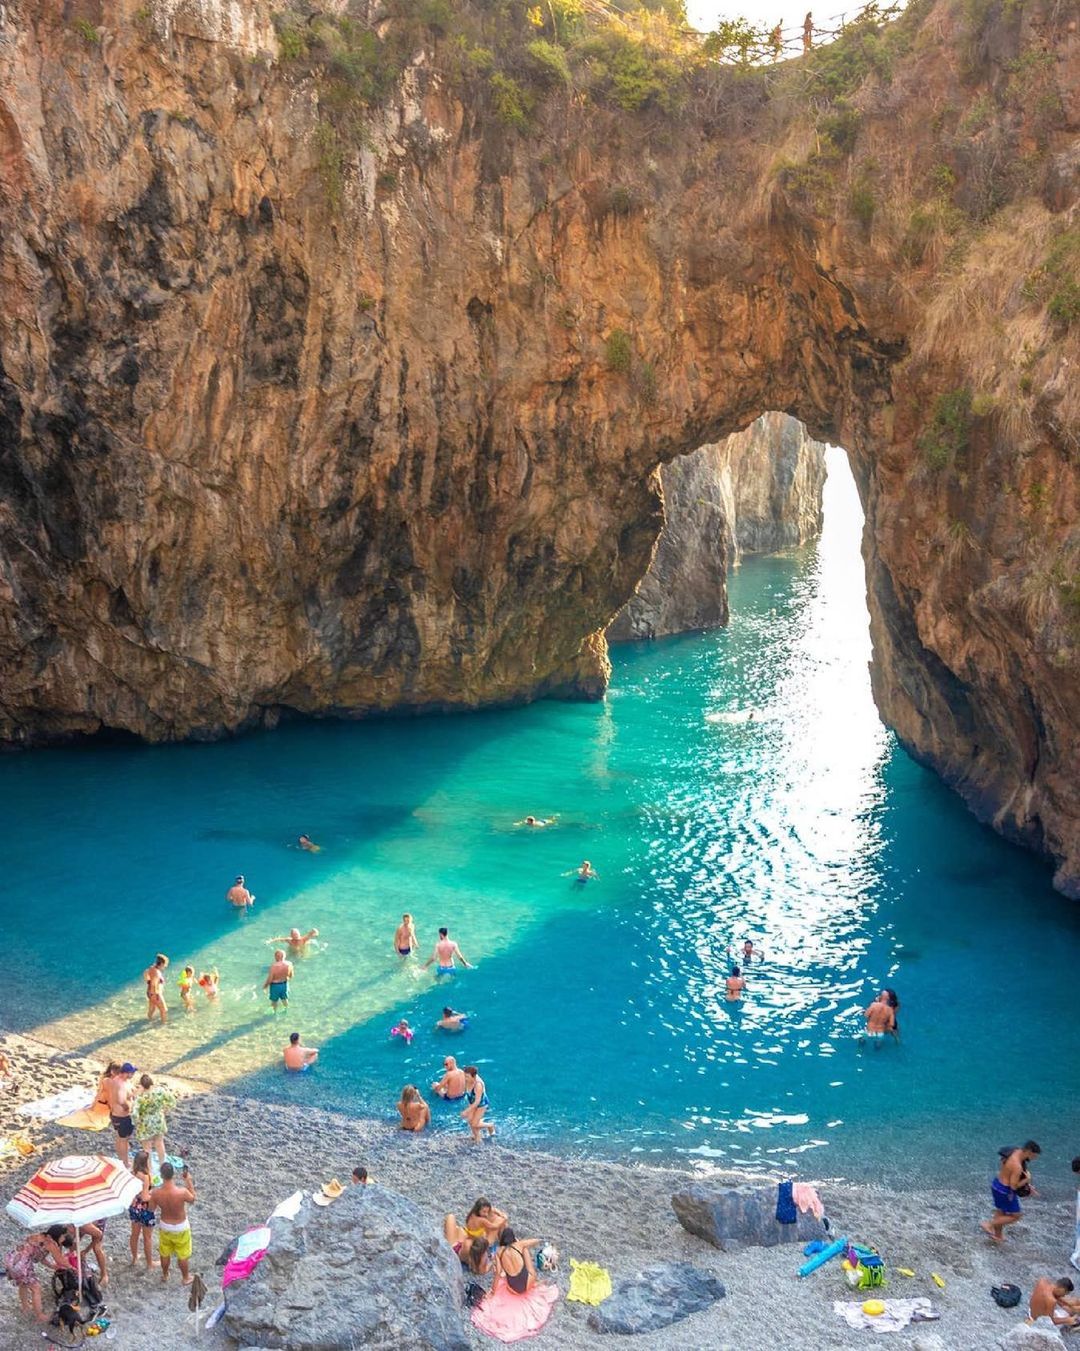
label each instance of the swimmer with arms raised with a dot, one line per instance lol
(297, 941)
(405, 939)
(445, 952)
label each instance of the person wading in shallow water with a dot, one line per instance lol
(277, 980)
(445, 952)
(155, 989)
(735, 984)
(239, 895)
(1012, 1179)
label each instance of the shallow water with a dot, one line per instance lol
(598, 1012)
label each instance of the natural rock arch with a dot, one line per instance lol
(262, 451)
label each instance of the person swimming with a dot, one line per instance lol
(536, 821)
(586, 873)
(452, 1022)
(735, 985)
(405, 940)
(305, 842)
(749, 951)
(404, 1031)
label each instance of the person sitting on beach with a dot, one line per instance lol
(149, 1111)
(445, 952)
(451, 1021)
(405, 940)
(154, 976)
(298, 1057)
(277, 981)
(1004, 1190)
(451, 1086)
(186, 983)
(586, 872)
(484, 1221)
(735, 984)
(1050, 1299)
(477, 1099)
(360, 1177)
(20, 1264)
(142, 1217)
(296, 941)
(305, 842)
(172, 1198)
(413, 1110)
(210, 983)
(404, 1031)
(879, 1018)
(239, 895)
(120, 1092)
(514, 1263)
(475, 1254)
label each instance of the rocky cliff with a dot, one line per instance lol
(338, 384)
(758, 491)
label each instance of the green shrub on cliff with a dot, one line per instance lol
(549, 61)
(619, 351)
(511, 101)
(949, 432)
(631, 73)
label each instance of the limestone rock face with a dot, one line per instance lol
(758, 491)
(368, 1270)
(270, 446)
(733, 1217)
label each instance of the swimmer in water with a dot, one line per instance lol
(445, 952)
(405, 940)
(749, 951)
(452, 1085)
(155, 989)
(880, 1018)
(536, 821)
(585, 873)
(452, 1022)
(298, 1057)
(239, 896)
(210, 983)
(735, 985)
(305, 842)
(187, 980)
(403, 1030)
(297, 941)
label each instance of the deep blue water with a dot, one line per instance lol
(598, 1013)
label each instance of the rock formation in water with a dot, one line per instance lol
(338, 385)
(758, 491)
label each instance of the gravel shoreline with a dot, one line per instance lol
(247, 1155)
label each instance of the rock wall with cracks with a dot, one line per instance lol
(265, 451)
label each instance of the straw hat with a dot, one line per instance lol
(330, 1191)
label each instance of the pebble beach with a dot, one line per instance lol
(247, 1155)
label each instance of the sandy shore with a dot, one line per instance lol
(247, 1155)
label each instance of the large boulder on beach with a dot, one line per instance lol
(1041, 1335)
(732, 1217)
(656, 1297)
(368, 1270)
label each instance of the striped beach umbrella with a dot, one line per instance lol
(77, 1189)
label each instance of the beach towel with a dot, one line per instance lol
(898, 1314)
(254, 1241)
(287, 1209)
(511, 1317)
(785, 1205)
(806, 1198)
(93, 1118)
(589, 1283)
(58, 1104)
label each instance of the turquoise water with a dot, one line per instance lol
(598, 1013)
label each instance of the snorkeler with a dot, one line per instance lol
(452, 1022)
(445, 952)
(405, 940)
(735, 984)
(297, 941)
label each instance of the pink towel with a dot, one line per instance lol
(511, 1317)
(242, 1269)
(806, 1198)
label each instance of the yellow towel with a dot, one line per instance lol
(87, 1119)
(589, 1283)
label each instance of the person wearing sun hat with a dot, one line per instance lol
(329, 1191)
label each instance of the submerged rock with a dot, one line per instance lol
(368, 1270)
(728, 1217)
(656, 1297)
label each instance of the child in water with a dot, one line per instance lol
(404, 1031)
(209, 983)
(186, 981)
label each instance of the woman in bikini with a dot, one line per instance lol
(514, 1264)
(476, 1099)
(139, 1212)
(413, 1110)
(101, 1097)
(474, 1252)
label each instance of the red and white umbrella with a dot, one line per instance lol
(77, 1189)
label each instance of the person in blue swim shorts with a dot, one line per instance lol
(277, 980)
(1006, 1189)
(446, 950)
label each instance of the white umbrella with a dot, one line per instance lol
(77, 1189)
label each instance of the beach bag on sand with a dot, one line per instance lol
(474, 1293)
(1006, 1296)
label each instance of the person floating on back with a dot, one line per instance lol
(238, 894)
(446, 950)
(298, 1057)
(1012, 1181)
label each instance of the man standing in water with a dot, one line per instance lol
(172, 1198)
(119, 1089)
(405, 941)
(238, 894)
(1005, 1188)
(880, 1018)
(735, 984)
(297, 941)
(445, 952)
(277, 980)
(155, 989)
